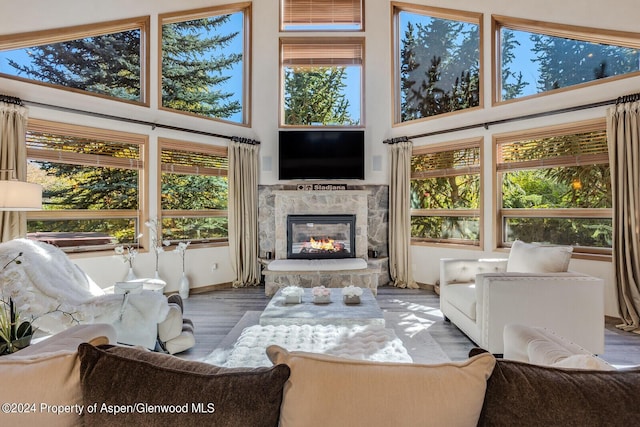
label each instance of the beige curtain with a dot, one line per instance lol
(623, 129)
(243, 211)
(399, 215)
(13, 156)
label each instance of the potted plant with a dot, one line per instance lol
(321, 295)
(292, 294)
(14, 333)
(351, 294)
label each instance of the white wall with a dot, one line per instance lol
(44, 14)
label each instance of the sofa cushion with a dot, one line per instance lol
(533, 258)
(137, 383)
(463, 297)
(331, 391)
(525, 395)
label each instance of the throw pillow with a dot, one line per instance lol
(522, 394)
(532, 258)
(331, 391)
(129, 386)
(36, 387)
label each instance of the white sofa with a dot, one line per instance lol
(532, 287)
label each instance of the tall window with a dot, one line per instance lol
(446, 193)
(102, 59)
(554, 186)
(92, 181)
(436, 61)
(540, 57)
(311, 15)
(205, 62)
(322, 81)
(194, 192)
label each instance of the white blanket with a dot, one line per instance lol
(46, 285)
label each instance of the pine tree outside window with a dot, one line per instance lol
(446, 193)
(437, 61)
(92, 180)
(322, 81)
(194, 192)
(205, 62)
(536, 58)
(104, 59)
(554, 186)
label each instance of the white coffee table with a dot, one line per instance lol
(336, 312)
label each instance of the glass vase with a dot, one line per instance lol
(131, 275)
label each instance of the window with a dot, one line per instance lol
(92, 181)
(541, 57)
(102, 59)
(322, 81)
(194, 192)
(446, 193)
(205, 62)
(554, 186)
(436, 62)
(310, 15)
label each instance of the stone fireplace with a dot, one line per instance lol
(321, 236)
(322, 203)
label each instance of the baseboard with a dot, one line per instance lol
(205, 289)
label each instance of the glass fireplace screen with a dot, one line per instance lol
(321, 236)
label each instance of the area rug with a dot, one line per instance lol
(400, 341)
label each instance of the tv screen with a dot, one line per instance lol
(321, 154)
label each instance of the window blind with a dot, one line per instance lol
(321, 12)
(321, 53)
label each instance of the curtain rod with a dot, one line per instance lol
(625, 98)
(14, 100)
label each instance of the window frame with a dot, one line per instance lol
(59, 35)
(583, 252)
(328, 41)
(282, 24)
(142, 140)
(587, 34)
(182, 145)
(440, 13)
(246, 9)
(477, 142)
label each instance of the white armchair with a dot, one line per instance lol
(482, 296)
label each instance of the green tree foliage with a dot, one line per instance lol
(448, 191)
(513, 83)
(316, 96)
(193, 65)
(565, 62)
(107, 64)
(194, 62)
(439, 69)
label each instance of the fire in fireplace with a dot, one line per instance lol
(321, 236)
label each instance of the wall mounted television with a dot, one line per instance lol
(321, 154)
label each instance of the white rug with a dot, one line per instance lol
(401, 341)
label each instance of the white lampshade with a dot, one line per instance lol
(20, 196)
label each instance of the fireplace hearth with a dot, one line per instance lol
(321, 236)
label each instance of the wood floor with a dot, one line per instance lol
(216, 312)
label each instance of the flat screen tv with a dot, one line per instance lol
(321, 154)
